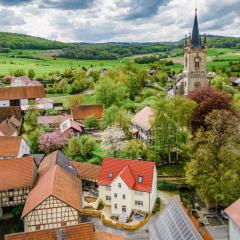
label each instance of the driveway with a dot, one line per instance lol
(141, 234)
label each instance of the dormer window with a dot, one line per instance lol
(140, 179)
(110, 175)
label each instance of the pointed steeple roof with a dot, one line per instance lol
(196, 38)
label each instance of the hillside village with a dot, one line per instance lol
(154, 156)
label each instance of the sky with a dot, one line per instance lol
(118, 20)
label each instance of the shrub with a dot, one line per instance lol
(157, 206)
(165, 185)
(100, 205)
(91, 122)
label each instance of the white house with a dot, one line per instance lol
(128, 186)
(233, 212)
(13, 147)
(68, 124)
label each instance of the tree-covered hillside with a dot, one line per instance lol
(21, 41)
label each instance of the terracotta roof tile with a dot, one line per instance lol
(11, 93)
(143, 118)
(9, 146)
(87, 170)
(16, 173)
(233, 211)
(58, 183)
(107, 236)
(83, 231)
(52, 119)
(7, 112)
(136, 168)
(85, 111)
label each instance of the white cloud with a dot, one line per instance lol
(118, 20)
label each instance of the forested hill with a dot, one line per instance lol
(21, 41)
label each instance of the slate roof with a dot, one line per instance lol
(58, 183)
(233, 211)
(129, 171)
(10, 145)
(56, 157)
(143, 118)
(87, 170)
(29, 92)
(17, 173)
(196, 38)
(85, 111)
(174, 223)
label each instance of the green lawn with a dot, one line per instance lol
(171, 170)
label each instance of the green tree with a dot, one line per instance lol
(19, 73)
(214, 168)
(31, 73)
(81, 148)
(91, 122)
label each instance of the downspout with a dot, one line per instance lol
(149, 202)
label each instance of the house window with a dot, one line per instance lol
(140, 179)
(115, 206)
(63, 224)
(124, 208)
(123, 196)
(138, 203)
(115, 195)
(10, 199)
(110, 175)
(119, 185)
(37, 227)
(64, 126)
(108, 198)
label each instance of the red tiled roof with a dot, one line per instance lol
(52, 119)
(107, 236)
(16, 173)
(233, 211)
(144, 118)
(85, 111)
(135, 168)
(11, 93)
(82, 231)
(87, 170)
(9, 146)
(7, 112)
(58, 183)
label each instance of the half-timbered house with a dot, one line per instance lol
(16, 180)
(55, 201)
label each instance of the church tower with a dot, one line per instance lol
(195, 51)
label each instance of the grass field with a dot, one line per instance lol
(44, 64)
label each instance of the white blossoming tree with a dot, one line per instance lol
(112, 139)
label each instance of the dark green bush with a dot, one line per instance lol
(168, 186)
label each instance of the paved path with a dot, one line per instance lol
(141, 234)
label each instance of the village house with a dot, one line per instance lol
(53, 121)
(20, 96)
(10, 127)
(13, 147)
(142, 125)
(16, 180)
(127, 186)
(83, 112)
(8, 112)
(233, 212)
(88, 173)
(82, 231)
(70, 124)
(49, 204)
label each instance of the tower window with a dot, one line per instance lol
(197, 62)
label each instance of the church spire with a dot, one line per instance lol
(196, 38)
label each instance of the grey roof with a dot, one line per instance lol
(173, 224)
(196, 38)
